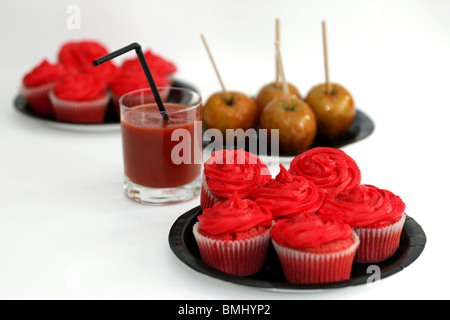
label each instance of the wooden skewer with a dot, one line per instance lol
(277, 39)
(214, 64)
(283, 77)
(325, 52)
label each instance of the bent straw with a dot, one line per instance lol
(137, 47)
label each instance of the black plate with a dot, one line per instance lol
(111, 117)
(361, 127)
(182, 243)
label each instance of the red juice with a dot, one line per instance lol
(147, 145)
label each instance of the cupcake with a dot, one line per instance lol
(233, 236)
(376, 215)
(159, 66)
(314, 249)
(129, 80)
(228, 171)
(81, 98)
(37, 83)
(80, 54)
(288, 196)
(330, 169)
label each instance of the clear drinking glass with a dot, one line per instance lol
(162, 158)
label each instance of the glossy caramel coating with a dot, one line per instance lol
(231, 110)
(272, 91)
(296, 124)
(335, 112)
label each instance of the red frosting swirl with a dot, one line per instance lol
(288, 195)
(330, 169)
(45, 73)
(157, 64)
(235, 170)
(80, 87)
(234, 215)
(311, 231)
(79, 55)
(133, 79)
(367, 207)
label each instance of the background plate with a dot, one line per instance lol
(361, 127)
(111, 118)
(182, 243)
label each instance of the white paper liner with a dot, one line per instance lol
(308, 268)
(238, 257)
(80, 111)
(37, 97)
(379, 244)
(207, 199)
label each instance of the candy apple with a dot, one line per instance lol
(230, 110)
(334, 112)
(271, 91)
(295, 121)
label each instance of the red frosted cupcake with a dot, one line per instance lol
(233, 236)
(288, 196)
(80, 54)
(330, 169)
(228, 171)
(134, 79)
(159, 66)
(376, 215)
(37, 83)
(314, 249)
(81, 98)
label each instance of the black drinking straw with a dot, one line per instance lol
(137, 47)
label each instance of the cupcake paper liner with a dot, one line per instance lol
(38, 98)
(379, 244)
(238, 257)
(80, 111)
(312, 268)
(207, 199)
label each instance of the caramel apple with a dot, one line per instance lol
(230, 110)
(295, 121)
(272, 91)
(334, 111)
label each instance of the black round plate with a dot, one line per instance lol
(361, 127)
(111, 118)
(182, 243)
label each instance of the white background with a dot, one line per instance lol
(68, 232)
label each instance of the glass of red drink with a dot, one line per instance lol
(162, 157)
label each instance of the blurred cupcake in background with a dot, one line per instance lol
(81, 98)
(128, 80)
(37, 83)
(80, 54)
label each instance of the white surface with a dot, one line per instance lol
(67, 230)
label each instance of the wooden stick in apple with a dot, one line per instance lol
(226, 110)
(325, 54)
(293, 119)
(277, 39)
(332, 104)
(274, 90)
(287, 95)
(214, 65)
